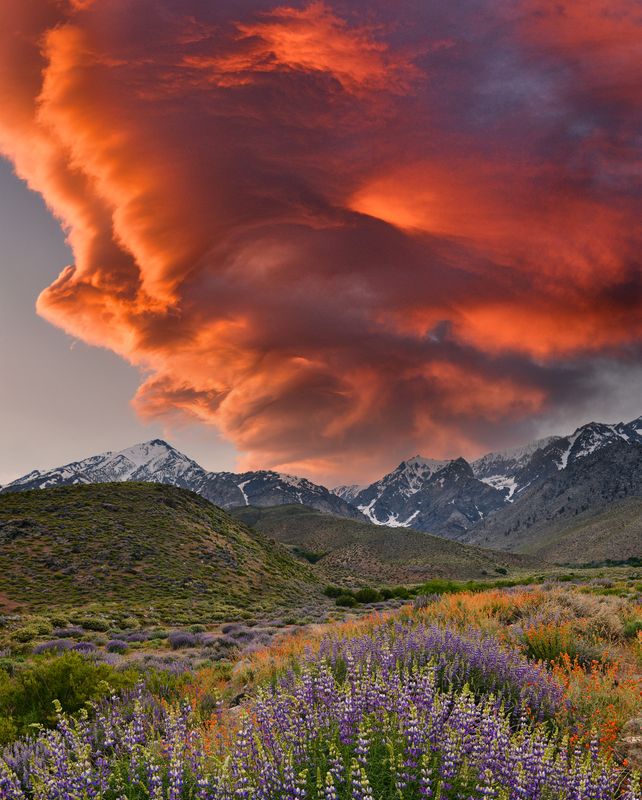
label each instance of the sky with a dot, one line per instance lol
(317, 236)
(60, 399)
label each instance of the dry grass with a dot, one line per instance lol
(580, 637)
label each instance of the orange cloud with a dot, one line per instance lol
(312, 39)
(340, 234)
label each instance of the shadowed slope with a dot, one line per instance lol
(345, 548)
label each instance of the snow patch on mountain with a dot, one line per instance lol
(502, 482)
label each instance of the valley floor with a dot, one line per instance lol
(514, 692)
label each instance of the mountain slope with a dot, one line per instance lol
(473, 502)
(159, 462)
(135, 543)
(555, 516)
(443, 497)
(349, 550)
(523, 467)
(614, 534)
(485, 501)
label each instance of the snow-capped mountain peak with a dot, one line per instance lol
(412, 474)
(158, 462)
(155, 461)
(348, 491)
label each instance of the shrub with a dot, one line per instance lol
(27, 697)
(84, 647)
(347, 601)
(333, 591)
(31, 631)
(93, 623)
(367, 595)
(421, 601)
(8, 730)
(552, 643)
(631, 628)
(68, 632)
(52, 646)
(137, 636)
(116, 646)
(180, 639)
(231, 628)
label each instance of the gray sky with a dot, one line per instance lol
(61, 400)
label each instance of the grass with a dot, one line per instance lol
(158, 550)
(351, 552)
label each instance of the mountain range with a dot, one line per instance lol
(528, 499)
(157, 461)
(497, 499)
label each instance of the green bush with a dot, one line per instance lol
(549, 643)
(92, 623)
(631, 628)
(27, 696)
(29, 632)
(8, 730)
(367, 595)
(347, 601)
(25, 634)
(333, 591)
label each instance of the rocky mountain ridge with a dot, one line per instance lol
(157, 461)
(457, 498)
(504, 500)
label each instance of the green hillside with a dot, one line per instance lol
(614, 534)
(140, 545)
(346, 549)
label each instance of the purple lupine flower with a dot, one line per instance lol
(447, 710)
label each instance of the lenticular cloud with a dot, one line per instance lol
(341, 232)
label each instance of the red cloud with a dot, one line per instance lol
(338, 237)
(305, 40)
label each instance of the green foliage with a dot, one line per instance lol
(333, 591)
(8, 730)
(549, 643)
(309, 555)
(442, 586)
(631, 628)
(29, 632)
(347, 601)
(108, 554)
(27, 696)
(92, 623)
(367, 595)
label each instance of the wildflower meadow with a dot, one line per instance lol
(410, 704)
